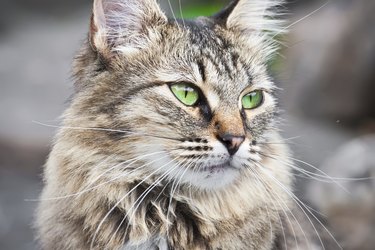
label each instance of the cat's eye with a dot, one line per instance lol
(185, 93)
(252, 100)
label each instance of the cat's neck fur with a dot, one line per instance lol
(191, 219)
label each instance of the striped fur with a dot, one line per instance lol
(132, 167)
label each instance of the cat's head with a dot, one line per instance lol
(189, 101)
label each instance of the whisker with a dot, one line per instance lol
(326, 176)
(269, 191)
(268, 194)
(283, 141)
(302, 207)
(312, 177)
(150, 189)
(335, 178)
(291, 195)
(287, 207)
(106, 182)
(181, 13)
(140, 200)
(173, 189)
(125, 132)
(174, 16)
(170, 198)
(300, 20)
(123, 198)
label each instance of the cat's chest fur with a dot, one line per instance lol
(254, 229)
(231, 240)
(155, 243)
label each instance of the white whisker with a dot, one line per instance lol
(287, 207)
(310, 174)
(181, 13)
(257, 178)
(106, 182)
(174, 189)
(123, 198)
(174, 16)
(140, 200)
(300, 20)
(302, 207)
(126, 133)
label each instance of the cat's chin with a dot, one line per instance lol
(213, 177)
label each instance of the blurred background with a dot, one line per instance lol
(326, 70)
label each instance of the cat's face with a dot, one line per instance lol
(191, 102)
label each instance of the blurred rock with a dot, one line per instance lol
(330, 92)
(331, 60)
(349, 204)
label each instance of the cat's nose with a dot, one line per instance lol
(231, 142)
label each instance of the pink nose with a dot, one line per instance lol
(231, 142)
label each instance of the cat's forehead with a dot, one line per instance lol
(220, 64)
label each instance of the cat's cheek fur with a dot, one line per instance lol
(197, 173)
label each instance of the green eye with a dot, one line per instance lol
(252, 100)
(187, 94)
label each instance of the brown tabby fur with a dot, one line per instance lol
(108, 181)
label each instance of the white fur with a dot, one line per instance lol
(256, 16)
(120, 23)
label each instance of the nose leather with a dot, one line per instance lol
(231, 142)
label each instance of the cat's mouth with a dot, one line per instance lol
(217, 168)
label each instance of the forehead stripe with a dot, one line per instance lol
(202, 70)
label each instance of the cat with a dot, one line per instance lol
(171, 139)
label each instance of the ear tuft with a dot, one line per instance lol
(257, 22)
(124, 25)
(253, 17)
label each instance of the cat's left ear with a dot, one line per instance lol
(252, 16)
(124, 25)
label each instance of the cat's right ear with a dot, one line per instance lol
(124, 26)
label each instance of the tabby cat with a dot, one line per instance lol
(171, 138)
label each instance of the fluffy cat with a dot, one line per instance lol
(171, 139)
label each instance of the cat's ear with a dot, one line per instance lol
(124, 25)
(252, 16)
